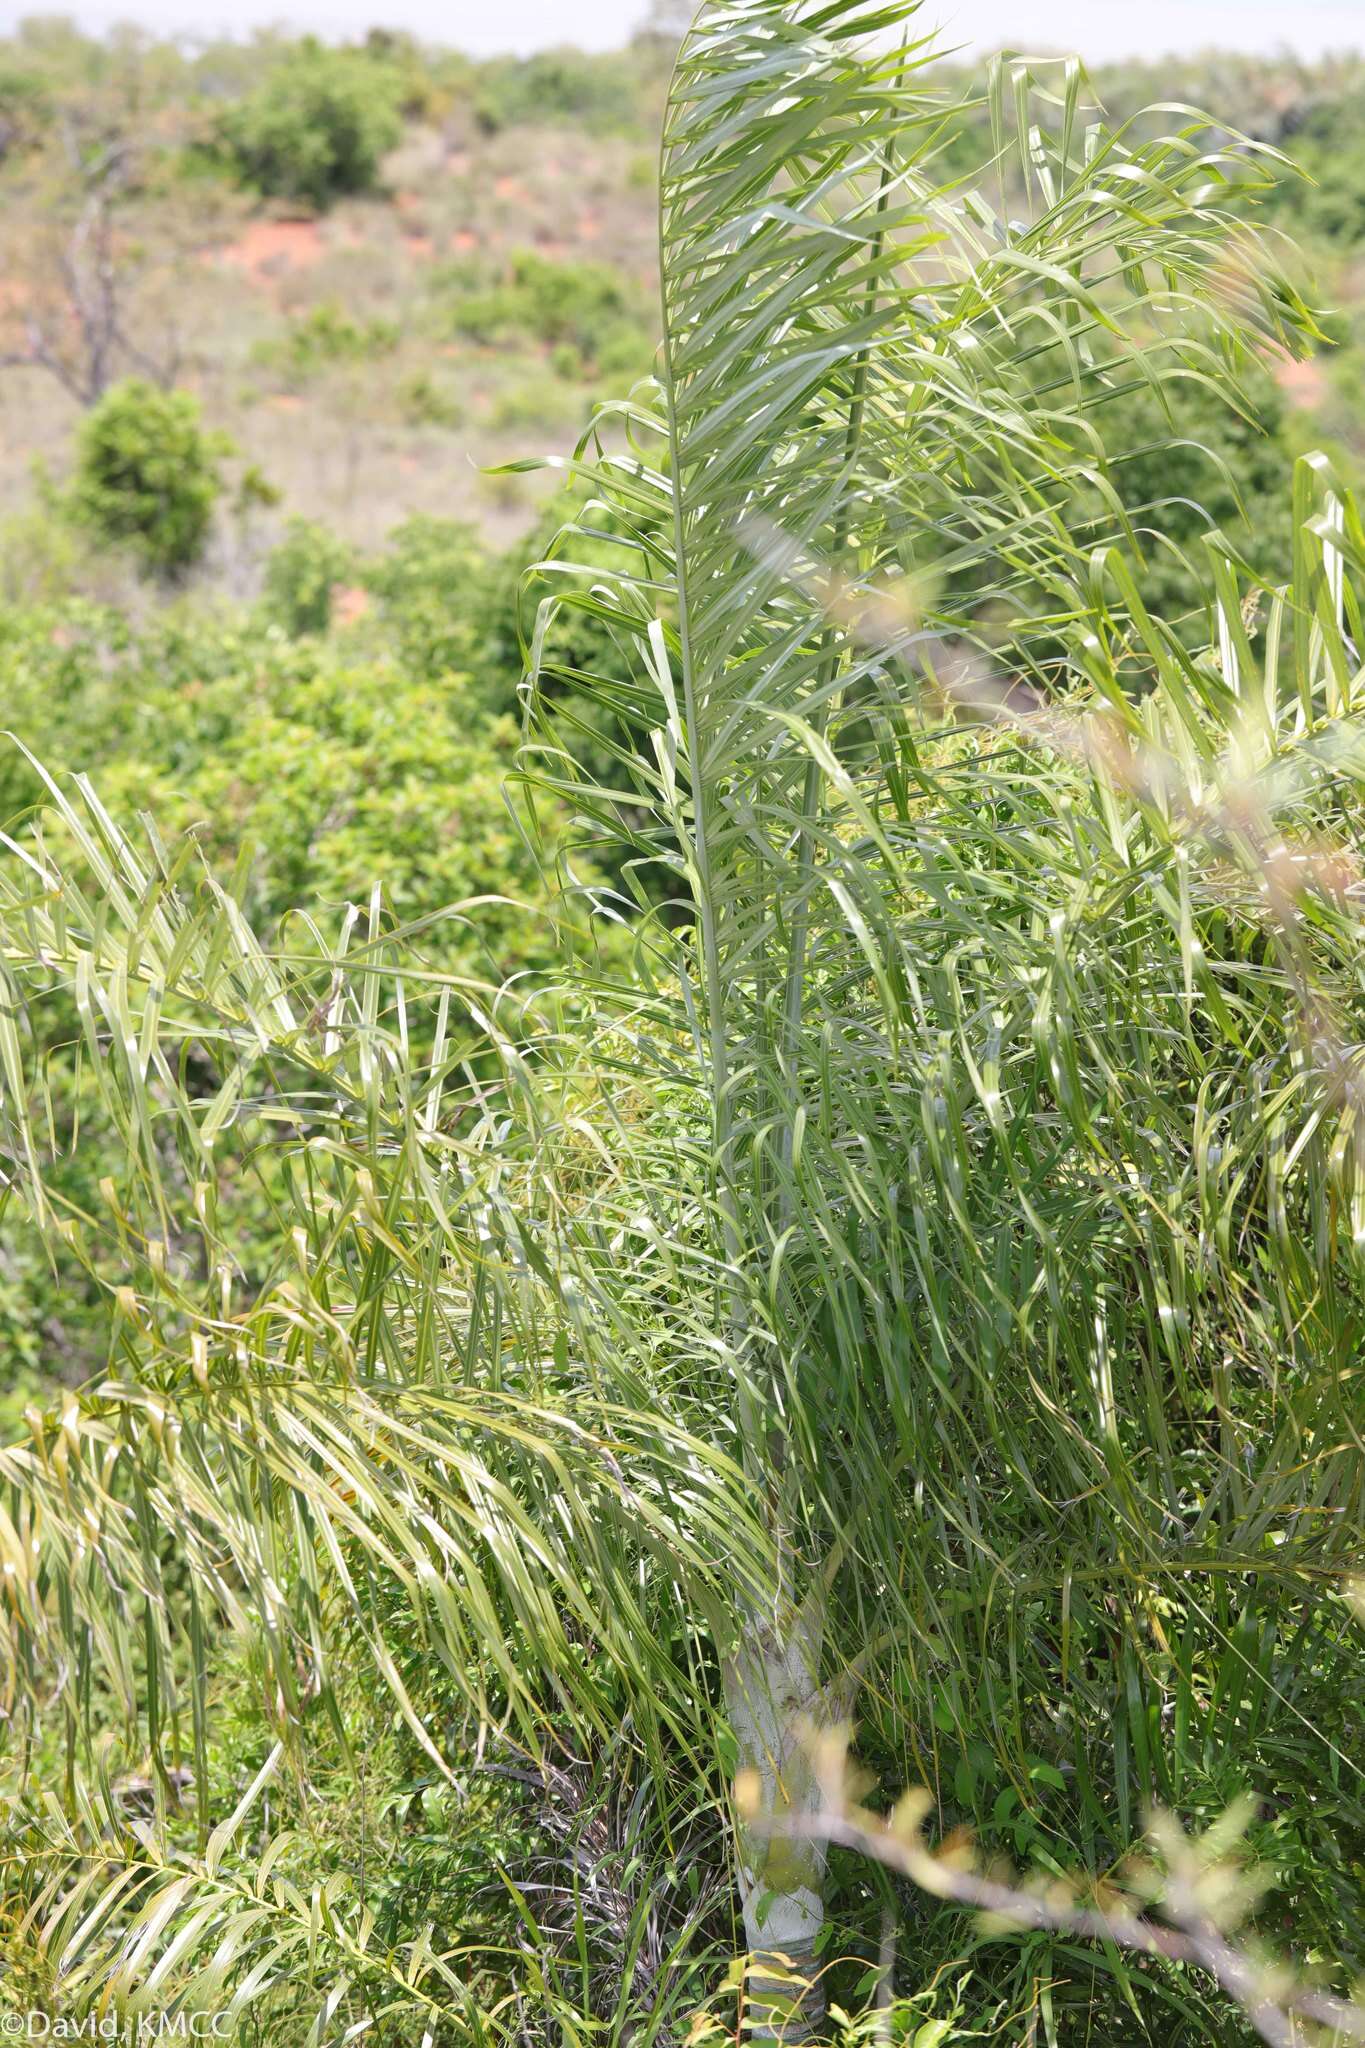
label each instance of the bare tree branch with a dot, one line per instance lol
(83, 340)
(1274, 1998)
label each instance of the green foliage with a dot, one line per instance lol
(530, 406)
(925, 1185)
(923, 971)
(437, 599)
(25, 108)
(323, 771)
(586, 307)
(946, 2016)
(368, 1818)
(335, 773)
(317, 126)
(601, 94)
(42, 555)
(301, 575)
(1221, 469)
(426, 401)
(34, 1336)
(325, 336)
(147, 474)
(1188, 466)
(1328, 144)
(344, 778)
(54, 662)
(429, 79)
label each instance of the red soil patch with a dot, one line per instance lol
(419, 245)
(349, 603)
(269, 246)
(589, 228)
(464, 239)
(287, 401)
(508, 187)
(1303, 384)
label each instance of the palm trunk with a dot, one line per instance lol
(773, 1691)
(775, 1703)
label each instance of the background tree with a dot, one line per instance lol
(317, 126)
(667, 21)
(74, 293)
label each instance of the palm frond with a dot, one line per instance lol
(1030, 1065)
(353, 1403)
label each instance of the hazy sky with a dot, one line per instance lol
(1097, 28)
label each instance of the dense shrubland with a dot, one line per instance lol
(308, 767)
(780, 1089)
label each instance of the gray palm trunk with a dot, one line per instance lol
(776, 1704)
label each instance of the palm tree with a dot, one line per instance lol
(924, 1286)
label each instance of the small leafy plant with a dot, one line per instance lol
(424, 401)
(586, 308)
(148, 475)
(433, 589)
(302, 574)
(325, 337)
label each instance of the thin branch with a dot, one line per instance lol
(91, 294)
(1270, 2002)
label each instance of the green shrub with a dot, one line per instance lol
(329, 761)
(622, 352)
(426, 80)
(1329, 144)
(147, 474)
(436, 596)
(25, 110)
(588, 307)
(338, 766)
(533, 405)
(325, 336)
(301, 575)
(317, 127)
(599, 93)
(41, 556)
(425, 402)
(55, 664)
(338, 775)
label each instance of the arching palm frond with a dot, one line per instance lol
(344, 1386)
